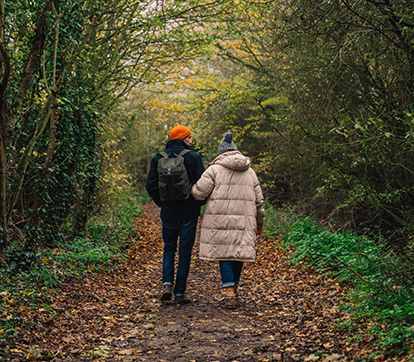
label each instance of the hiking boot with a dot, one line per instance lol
(182, 299)
(166, 292)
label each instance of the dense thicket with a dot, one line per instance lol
(320, 94)
(348, 77)
(64, 66)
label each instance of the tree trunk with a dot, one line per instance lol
(5, 70)
(3, 189)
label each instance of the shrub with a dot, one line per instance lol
(382, 288)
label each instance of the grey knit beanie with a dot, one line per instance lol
(227, 143)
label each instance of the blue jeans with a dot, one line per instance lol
(230, 272)
(171, 230)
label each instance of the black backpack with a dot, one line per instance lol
(173, 181)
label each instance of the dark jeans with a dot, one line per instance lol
(230, 272)
(171, 230)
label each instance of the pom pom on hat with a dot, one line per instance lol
(227, 143)
(179, 132)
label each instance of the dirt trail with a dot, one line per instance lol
(286, 313)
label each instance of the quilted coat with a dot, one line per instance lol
(233, 209)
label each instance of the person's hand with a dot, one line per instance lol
(259, 228)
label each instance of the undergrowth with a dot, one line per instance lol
(278, 221)
(382, 282)
(30, 276)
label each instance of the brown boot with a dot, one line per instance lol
(230, 301)
(182, 299)
(166, 292)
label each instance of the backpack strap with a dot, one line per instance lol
(163, 154)
(183, 152)
(166, 155)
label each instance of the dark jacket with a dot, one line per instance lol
(177, 210)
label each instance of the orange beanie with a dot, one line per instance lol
(179, 133)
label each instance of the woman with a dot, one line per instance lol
(234, 214)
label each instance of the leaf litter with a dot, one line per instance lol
(286, 313)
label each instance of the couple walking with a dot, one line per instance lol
(232, 220)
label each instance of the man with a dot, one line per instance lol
(179, 218)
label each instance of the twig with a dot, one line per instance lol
(353, 271)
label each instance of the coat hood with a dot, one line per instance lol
(233, 160)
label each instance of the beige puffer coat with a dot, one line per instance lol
(233, 209)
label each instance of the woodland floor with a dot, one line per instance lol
(286, 314)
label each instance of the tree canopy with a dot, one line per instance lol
(319, 94)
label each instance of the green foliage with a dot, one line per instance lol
(320, 248)
(382, 283)
(30, 275)
(278, 221)
(118, 215)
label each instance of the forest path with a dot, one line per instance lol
(287, 313)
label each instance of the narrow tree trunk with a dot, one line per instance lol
(5, 70)
(3, 189)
